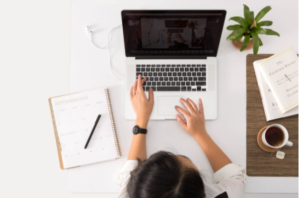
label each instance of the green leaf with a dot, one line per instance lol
(262, 13)
(233, 27)
(238, 38)
(251, 17)
(259, 30)
(241, 21)
(271, 32)
(235, 34)
(247, 13)
(255, 42)
(245, 43)
(265, 23)
(260, 42)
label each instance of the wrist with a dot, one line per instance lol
(142, 123)
(200, 135)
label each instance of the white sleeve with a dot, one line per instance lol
(124, 176)
(232, 179)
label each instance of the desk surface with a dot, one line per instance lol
(89, 69)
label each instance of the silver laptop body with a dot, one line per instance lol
(176, 51)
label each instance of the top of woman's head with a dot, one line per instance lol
(164, 175)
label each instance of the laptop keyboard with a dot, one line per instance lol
(173, 77)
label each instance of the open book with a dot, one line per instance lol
(73, 118)
(271, 108)
(280, 72)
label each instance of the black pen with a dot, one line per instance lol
(88, 141)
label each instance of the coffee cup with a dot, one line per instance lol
(276, 136)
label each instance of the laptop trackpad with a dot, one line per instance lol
(166, 105)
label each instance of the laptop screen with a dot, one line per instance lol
(169, 33)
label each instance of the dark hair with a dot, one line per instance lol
(162, 176)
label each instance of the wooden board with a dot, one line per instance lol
(259, 162)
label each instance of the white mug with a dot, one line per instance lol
(285, 142)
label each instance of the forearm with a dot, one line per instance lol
(138, 144)
(217, 158)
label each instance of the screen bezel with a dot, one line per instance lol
(125, 12)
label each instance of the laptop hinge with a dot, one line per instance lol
(171, 57)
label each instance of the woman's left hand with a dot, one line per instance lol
(141, 104)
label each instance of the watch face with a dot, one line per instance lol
(135, 130)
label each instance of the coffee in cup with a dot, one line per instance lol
(276, 136)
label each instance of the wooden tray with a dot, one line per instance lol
(260, 162)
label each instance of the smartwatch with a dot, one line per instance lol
(136, 130)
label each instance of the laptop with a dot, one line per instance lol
(176, 50)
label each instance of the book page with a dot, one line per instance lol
(271, 108)
(280, 71)
(75, 116)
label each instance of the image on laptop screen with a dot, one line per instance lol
(172, 32)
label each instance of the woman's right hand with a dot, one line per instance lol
(195, 120)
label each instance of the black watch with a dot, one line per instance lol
(136, 129)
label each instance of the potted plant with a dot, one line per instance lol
(248, 29)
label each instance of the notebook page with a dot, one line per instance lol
(75, 116)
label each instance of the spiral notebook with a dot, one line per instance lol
(73, 117)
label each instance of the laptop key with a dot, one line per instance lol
(181, 69)
(188, 83)
(161, 78)
(180, 79)
(152, 69)
(151, 78)
(153, 83)
(138, 69)
(169, 74)
(187, 69)
(189, 88)
(159, 74)
(147, 88)
(201, 78)
(168, 88)
(193, 65)
(156, 78)
(163, 65)
(196, 69)
(154, 88)
(185, 78)
(188, 65)
(189, 74)
(183, 74)
(191, 69)
(200, 83)
(203, 89)
(194, 74)
(166, 79)
(203, 73)
(177, 69)
(165, 74)
(173, 83)
(148, 65)
(198, 65)
(190, 78)
(163, 83)
(183, 88)
(198, 88)
(175, 78)
(195, 78)
(198, 73)
(170, 78)
(143, 65)
(178, 83)
(143, 69)
(172, 69)
(138, 65)
(193, 83)
(167, 69)
(158, 83)
(154, 74)
(203, 65)
(148, 83)
(168, 65)
(179, 74)
(157, 69)
(182, 83)
(137, 74)
(168, 83)
(202, 69)
(174, 74)
(147, 69)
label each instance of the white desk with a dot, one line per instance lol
(89, 69)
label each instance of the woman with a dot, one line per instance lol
(165, 175)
